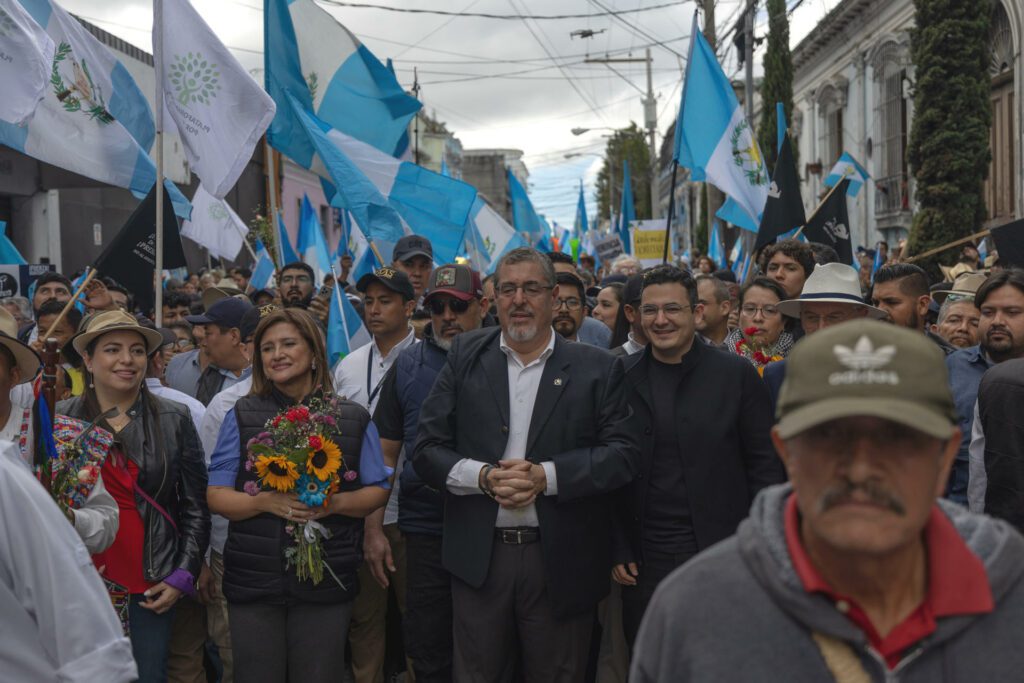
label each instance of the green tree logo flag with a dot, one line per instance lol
(195, 80)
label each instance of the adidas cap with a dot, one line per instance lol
(866, 368)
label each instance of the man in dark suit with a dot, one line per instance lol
(704, 419)
(527, 435)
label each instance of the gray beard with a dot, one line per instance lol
(444, 344)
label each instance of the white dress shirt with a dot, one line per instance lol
(57, 620)
(195, 408)
(523, 383)
(351, 381)
(208, 431)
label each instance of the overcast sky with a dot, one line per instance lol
(532, 111)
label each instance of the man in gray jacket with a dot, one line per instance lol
(854, 571)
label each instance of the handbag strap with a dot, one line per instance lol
(158, 506)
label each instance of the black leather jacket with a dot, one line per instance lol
(172, 471)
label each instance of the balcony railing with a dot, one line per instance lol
(892, 195)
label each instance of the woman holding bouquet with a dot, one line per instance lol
(156, 473)
(761, 337)
(295, 469)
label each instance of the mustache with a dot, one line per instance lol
(843, 493)
(999, 329)
(453, 326)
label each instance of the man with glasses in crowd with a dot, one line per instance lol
(569, 306)
(706, 447)
(528, 437)
(589, 331)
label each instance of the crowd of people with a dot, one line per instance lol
(557, 472)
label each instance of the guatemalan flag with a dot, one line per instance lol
(263, 269)
(94, 120)
(848, 167)
(312, 244)
(322, 64)
(345, 329)
(489, 237)
(25, 68)
(714, 139)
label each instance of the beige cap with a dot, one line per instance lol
(25, 358)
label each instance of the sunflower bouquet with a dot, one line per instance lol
(297, 454)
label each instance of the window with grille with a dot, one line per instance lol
(830, 137)
(1001, 184)
(892, 177)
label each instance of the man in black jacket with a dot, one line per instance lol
(707, 450)
(528, 436)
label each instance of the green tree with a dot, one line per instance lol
(777, 85)
(949, 141)
(630, 144)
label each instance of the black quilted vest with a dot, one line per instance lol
(254, 564)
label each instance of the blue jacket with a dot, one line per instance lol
(420, 508)
(966, 368)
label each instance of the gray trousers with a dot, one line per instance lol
(507, 625)
(277, 643)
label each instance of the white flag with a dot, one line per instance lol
(215, 226)
(219, 109)
(25, 56)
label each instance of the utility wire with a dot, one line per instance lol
(636, 29)
(512, 17)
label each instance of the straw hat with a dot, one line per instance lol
(222, 290)
(835, 283)
(964, 287)
(25, 359)
(112, 321)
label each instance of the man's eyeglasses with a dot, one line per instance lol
(670, 310)
(508, 290)
(572, 304)
(768, 310)
(456, 306)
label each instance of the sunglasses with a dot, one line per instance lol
(456, 306)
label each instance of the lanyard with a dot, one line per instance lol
(369, 370)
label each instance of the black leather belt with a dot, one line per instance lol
(517, 535)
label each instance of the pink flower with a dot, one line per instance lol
(248, 465)
(252, 488)
(350, 475)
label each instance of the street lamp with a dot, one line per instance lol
(581, 131)
(611, 177)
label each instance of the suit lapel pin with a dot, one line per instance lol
(558, 382)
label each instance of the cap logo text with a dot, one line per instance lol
(864, 362)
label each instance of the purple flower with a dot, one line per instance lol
(350, 475)
(248, 465)
(328, 420)
(263, 435)
(252, 488)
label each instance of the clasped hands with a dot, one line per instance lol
(514, 483)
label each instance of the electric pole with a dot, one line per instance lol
(748, 60)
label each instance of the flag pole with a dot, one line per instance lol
(268, 154)
(341, 304)
(824, 199)
(158, 272)
(671, 211)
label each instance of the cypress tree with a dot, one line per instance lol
(777, 85)
(949, 141)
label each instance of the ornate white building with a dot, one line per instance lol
(852, 91)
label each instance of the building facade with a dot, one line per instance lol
(485, 169)
(853, 91)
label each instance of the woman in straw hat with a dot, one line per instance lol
(157, 475)
(284, 627)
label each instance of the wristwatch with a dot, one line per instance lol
(485, 486)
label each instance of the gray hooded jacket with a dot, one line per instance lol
(738, 612)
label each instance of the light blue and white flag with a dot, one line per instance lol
(288, 251)
(220, 111)
(627, 211)
(388, 197)
(489, 237)
(847, 166)
(524, 216)
(27, 52)
(214, 225)
(580, 226)
(345, 329)
(316, 60)
(312, 246)
(716, 249)
(713, 138)
(737, 251)
(263, 269)
(94, 120)
(9, 254)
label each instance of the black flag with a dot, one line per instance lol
(784, 210)
(131, 257)
(1009, 240)
(830, 225)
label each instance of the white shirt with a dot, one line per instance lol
(352, 382)
(631, 346)
(97, 520)
(523, 382)
(58, 625)
(208, 431)
(195, 408)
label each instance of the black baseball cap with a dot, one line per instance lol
(412, 245)
(392, 278)
(224, 312)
